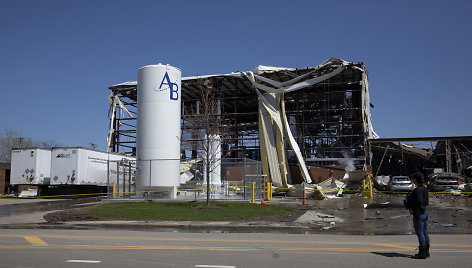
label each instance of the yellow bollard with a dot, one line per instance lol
(252, 199)
(266, 188)
(270, 190)
(367, 187)
(371, 195)
(114, 189)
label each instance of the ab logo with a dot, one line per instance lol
(173, 87)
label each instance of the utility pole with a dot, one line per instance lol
(448, 156)
(92, 145)
(20, 140)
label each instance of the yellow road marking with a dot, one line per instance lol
(100, 247)
(35, 241)
(138, 238)
(268, 241)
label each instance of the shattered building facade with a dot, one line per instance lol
(283, 117)
(400, 156)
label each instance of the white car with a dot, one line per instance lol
(446, 181)
(401, 183)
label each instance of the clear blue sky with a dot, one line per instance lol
(57, 58)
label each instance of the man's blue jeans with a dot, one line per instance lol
(421, 228)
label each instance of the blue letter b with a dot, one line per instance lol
(174, 94)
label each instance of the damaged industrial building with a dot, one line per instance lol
(293, 120)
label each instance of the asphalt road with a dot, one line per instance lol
(122, 248)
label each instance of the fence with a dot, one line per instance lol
(121, 178)
(241, 173)
(230, 178)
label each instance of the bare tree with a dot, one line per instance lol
(205, 120)
(46, 144)
(10, 139)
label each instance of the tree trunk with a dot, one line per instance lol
(207, 166)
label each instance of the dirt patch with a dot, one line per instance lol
(75, 214)
(83, 214)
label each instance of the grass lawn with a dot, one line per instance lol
(218, 211)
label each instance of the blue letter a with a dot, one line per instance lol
(166, 78)
(174, 94)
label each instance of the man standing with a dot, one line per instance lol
(417, 202)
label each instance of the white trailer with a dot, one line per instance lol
(82, 166)
(30, 166)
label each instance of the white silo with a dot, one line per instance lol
(158, 127)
